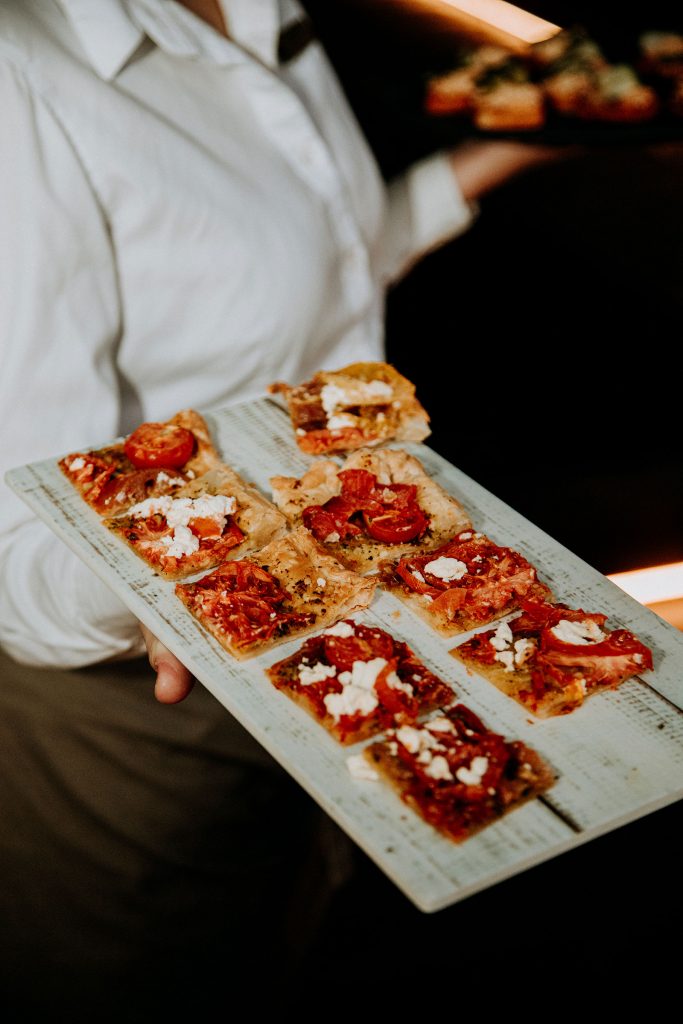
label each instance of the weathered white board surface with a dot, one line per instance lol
(618, 757)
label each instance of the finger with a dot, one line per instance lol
(174, 682)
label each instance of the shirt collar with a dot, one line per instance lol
(111, 30)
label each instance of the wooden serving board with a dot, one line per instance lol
(618, 757)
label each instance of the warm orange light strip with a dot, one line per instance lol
(657, 583)
(507, 17)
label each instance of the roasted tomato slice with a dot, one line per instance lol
(396, 527)
(367, 644)
(160, 444)
(357, 483)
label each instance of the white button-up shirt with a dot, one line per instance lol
(182, 221)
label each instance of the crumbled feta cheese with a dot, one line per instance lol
(379, 389)
(438, 768)
(340, 421)
(179, 512)
(440, 724)
(582, 684)
(121, 496)
(507, 660)
(321, 581)
(392, 746)
(164, 478)
(183, 542)
(343, 629)
(358, 693)
(502, 638)
(332, 397)
(638, 658)
(360, 768)
(315, 673)
(473, 775)
(426, 597)
(416, 740)
(584, 632)
(524, 649)
(477, 558)
(397, 684)
(77, 463)
(446, 569)
(300, 432)
(465, 536)
(332, 538)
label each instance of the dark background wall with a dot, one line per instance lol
(559, 311)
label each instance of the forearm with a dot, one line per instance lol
(480, 167)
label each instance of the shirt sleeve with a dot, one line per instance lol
(425, 209)
(59, 326)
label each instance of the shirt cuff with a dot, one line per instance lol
(439, 209)
(426, 208)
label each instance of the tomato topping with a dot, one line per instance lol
(205, 527)
(396, 527)
(318, 442)
(388, 513)
(245, 600)
(364, 646)
(494, 580)
(242, 576)
(357, 484)
(163, 445)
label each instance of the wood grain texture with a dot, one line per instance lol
(618, 757)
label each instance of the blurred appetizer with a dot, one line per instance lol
(506, 100)
(661, 54)
(362, 404)
(358, 680)
(551, 657)
(454, 91)
(379, 504)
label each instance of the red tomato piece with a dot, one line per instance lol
(163, 445)
(396, 527)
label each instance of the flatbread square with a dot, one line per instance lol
(289, 588)
(550, 657)
(465, 583)
(216, 517)
(457, 774)
(386, 491)
(357, 680)
(360, 405)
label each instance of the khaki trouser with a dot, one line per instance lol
(143, 845)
